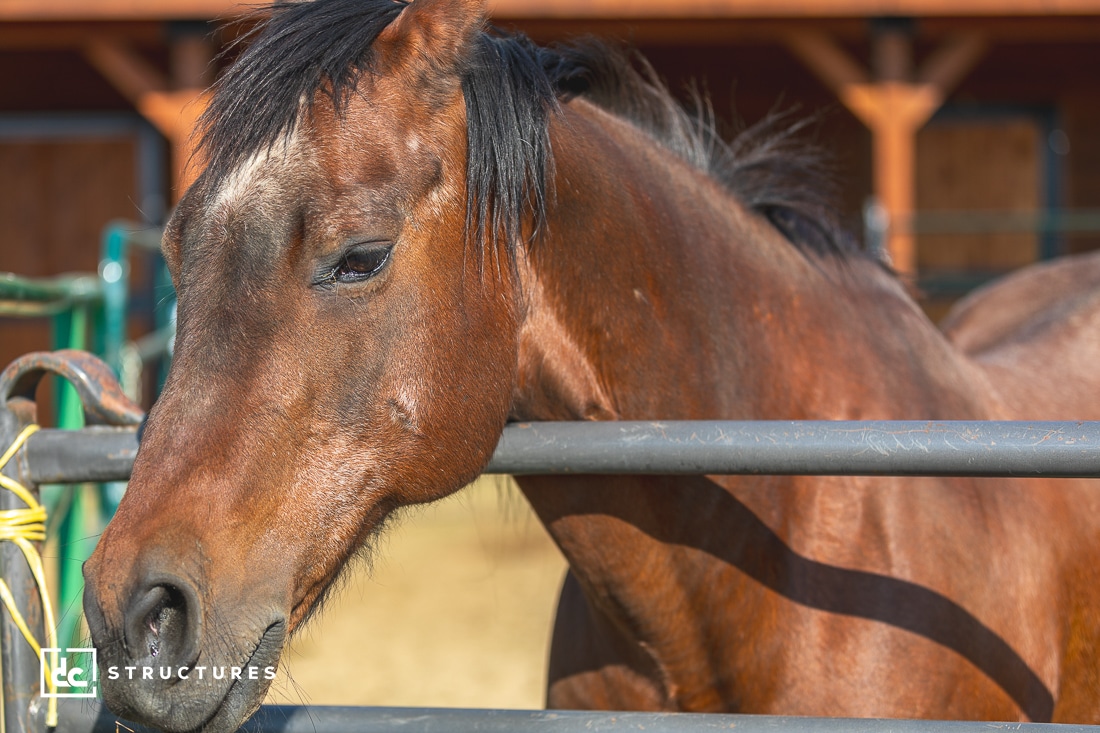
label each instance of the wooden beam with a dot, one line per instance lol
(1047, 29)
(128, 72)
(644, 31)
(62, 35)
(173, 112)
(894, 144)
(953, 60)
(60, 10)
(826, 59)
(786, 8)
(894, 112)
(176, 114)
(193, 61)
(680, 31)
(892, 102)
(90, 10)
(892, 55)
(894, 108)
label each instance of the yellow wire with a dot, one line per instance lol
(24, 526)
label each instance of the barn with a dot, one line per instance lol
(960, 132)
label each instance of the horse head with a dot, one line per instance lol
(345, 346)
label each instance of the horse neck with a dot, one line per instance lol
(655, 294)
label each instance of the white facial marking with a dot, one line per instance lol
(257, 168)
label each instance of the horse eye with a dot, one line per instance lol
(361, 263)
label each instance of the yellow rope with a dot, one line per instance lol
(24, 526)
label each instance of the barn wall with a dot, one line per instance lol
(1080, 113)
(990, 164)
(62, 180)
(742, 65)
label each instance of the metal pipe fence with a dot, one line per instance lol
(92, 311)
(911, 448)
(822, 448)
(91, 718)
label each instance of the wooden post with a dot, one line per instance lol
(894, 106)
(172, 111)
(894, 112)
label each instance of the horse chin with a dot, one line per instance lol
(205, 706)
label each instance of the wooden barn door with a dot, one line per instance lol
(971, 174)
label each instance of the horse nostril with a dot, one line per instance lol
(166, 615)
(163, 624)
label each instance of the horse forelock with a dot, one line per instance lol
(295, 52)
(511, 87)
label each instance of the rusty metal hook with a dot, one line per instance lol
(96, 385)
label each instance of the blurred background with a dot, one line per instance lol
(964, 136)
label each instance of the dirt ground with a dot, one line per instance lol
(457, 613)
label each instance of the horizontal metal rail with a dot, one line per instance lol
(869, 448)
(827, 448)
(89, 717)
(1062, 449)
(27, 296)
(95, 454)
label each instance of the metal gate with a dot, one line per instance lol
(105, 451)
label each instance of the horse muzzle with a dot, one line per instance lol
(163, 666)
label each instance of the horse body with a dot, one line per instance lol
(676, 602)
(1034, 334)
(346, 349)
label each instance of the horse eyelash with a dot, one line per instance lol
(329, 278)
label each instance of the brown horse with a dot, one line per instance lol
(410, 230)
(1013, 326)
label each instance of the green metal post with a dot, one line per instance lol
(114, 277)
(73, 531)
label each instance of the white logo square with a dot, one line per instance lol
(75, 675)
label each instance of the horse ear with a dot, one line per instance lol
(436, 32)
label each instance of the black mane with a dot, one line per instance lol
(511, 88)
